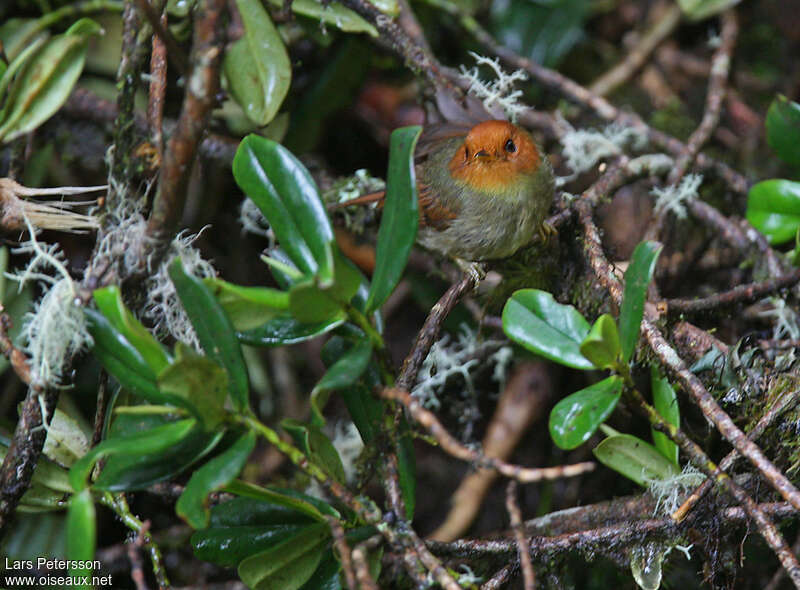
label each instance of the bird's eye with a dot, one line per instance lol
(510, 147)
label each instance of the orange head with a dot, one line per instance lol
(494, 155)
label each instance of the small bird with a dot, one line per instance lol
(484, 191)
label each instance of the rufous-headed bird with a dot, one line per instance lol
(484, 191)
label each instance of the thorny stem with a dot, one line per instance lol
(119, 505)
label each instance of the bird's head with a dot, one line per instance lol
(495, 156)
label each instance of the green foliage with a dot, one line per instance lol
(345, 372)
(701, 9)
(637, 278)
(81, 533)
(401, 216)
(40, 79)
(601, 345)
(773, 207)
(533, 319)
(635, 459)
(310, 439)
(257, 66)
(666, 404)
(783, 129)
(576, 417)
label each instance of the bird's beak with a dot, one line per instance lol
(482, 155)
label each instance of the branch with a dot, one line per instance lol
(515, 514)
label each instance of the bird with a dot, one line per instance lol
(484, 191)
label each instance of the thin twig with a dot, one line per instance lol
(360, 554)
(717, 87)
(738, 295)
(158, 90)
(515, 514)
(175, 52)
(635, 59)
(451, 446)
(137, 571)
(340, 543)
(500, 578)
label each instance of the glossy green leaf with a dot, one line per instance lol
(326, 576)
(192, 505)
(343, 373)
(257, 66)
(311, 302)
(533, 319)
(81, 533)
(783, 129)
(281, 331)
(400, 217)
(124, 362)
(213, 329)
(198, 380)
(229, 545)
(109, 302)
(576, 417)
(316, 445)
(637, 279)
(45, 81)
(292, 499)
(287, 196)
(248, 307)
(288, 565)
(241, 511)
(331, 14)
(666, 404)
(141, 443)
(130, 471)
(635, 459)
(365, 410)
(773, 207)
(601, 345)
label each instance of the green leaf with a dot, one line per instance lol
(666, 404)
(326, 577)
(344, 372)
(637, 278)
(331, 14)
(141, 443)
(576, 417)
(701, 9)
(773, 207)
(192, 506)
(248, 307)
(282, 331)
(288, 565)
(257, 66)
(81, 533)
(316, 446)
(533, 319)
(400, 217)
(109, 302)
(635, 459)
(287, 196)
(66, 442)
(311, 302)
(308, 505)
(198, 380)
(601, 345)
(124, 362)
(213, 329)
(229, 545)
(45, 81)
(783, 129)
(407, 468)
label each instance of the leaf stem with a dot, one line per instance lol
(378, 343)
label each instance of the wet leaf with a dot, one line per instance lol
(536, 321)
(773, 207)
(286, 330)
(576, 417)
(257, 66)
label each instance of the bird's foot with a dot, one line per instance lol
(546, 232)
(474, 270)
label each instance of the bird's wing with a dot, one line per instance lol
(431, 211)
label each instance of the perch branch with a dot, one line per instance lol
(174, 51)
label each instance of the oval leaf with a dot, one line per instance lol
(213, 328)
(257, 66)
(287, 196)
(576, 417)
(666, 404)
(281, 331)
(773, 207)
(783, 129)
(601, 345)
(533, 319)
(81, 533)
(288, 565)
(400, 217)
(635, 459)
(331, 14)
(637, 278)
(192, 506)
(248, 307)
